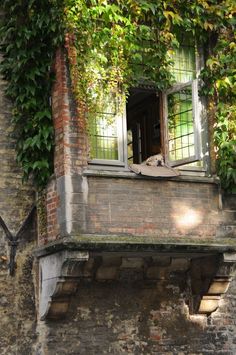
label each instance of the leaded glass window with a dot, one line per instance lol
(181, 108)
(176, 136)
(184, 64)
(180, 124)
(107, 133)
(105, 137)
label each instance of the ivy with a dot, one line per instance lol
(30, 33)
(117, 44)
(220, 80)
(112, 45)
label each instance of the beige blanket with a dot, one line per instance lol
(157, 171)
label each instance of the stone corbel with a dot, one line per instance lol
(59, 276)
(208, 301)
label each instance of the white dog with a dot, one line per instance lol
(154, 160)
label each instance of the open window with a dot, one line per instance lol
(181, 119)
(181, 109)
(154, 122)
(143, 124)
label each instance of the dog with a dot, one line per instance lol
(154, 160)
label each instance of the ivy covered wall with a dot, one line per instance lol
(108, 42)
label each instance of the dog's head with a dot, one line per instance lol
(155, 160)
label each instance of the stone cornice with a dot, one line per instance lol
(130, 243)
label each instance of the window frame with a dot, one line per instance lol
(197, 107)
(197, 113)
(120, 119)
(196, 122)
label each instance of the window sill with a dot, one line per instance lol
(127, 174)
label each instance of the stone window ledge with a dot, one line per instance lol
(127, 174)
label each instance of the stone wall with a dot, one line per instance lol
(17, 311)
(132, 317)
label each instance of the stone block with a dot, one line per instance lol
(107, 273)
(219, 286)
(132, 263)
(161, 260)
(88, 269)
(209, 304)
(111, 261)
(131, 275)
(179, 264)
(157, 273)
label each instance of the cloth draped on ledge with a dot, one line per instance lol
(154, 166)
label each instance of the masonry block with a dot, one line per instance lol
(179, 264)
(107, 273)
(157, 273)
(133, 262)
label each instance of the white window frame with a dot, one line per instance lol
(197, 113)
(196, 119)
(121, 125)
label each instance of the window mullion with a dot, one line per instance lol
(165, 137)
(196, 116)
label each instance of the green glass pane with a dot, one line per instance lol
(103, 131)
(104, 139)
(180, 124)
(184, 67)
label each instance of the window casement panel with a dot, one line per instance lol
(107, 137)
(181, 124)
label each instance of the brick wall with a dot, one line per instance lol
(70, 138)
(164, 209)
(47, 206)
(132, 317)
(169, 211)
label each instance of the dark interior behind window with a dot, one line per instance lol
(143, 124)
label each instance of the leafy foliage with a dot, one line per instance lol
(220, 79)
(112, 45)
(117, 44)
(30, 34)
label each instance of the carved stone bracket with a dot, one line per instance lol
(59, 274)
(210, 276)
(215, 284)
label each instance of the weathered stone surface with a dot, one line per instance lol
(107, 273)
(131, 263)
(17, 306)
(179, 264)
(117, 317)
(59, 276)
(157, 273)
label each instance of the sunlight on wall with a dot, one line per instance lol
(199, 319)
(187, 217)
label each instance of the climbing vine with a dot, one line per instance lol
(30, 33)
(220, 80)
(112, 45)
